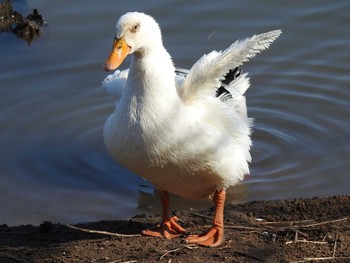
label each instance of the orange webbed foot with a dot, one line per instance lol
(211, 238)
(168, 228)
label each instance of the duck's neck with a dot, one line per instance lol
(152, 75)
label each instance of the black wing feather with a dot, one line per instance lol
(221, 92)
(233, 74)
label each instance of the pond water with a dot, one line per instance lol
(53, 164)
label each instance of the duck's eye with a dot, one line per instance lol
(135, 28)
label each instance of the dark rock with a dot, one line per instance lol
(26, 28)
(46, 227)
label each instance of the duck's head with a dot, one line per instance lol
(135, 32)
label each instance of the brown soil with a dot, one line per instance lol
(300, 230)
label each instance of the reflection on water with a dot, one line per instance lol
(53, 162)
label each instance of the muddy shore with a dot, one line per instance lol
(298, 230)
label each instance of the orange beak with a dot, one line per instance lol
(119, 51)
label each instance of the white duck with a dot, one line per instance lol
(180, 132)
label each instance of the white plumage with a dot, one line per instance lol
(170, 134)
(171, 129)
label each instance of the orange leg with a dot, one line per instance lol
(215, 235)
(168, 228)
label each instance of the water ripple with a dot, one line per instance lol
(54, 165)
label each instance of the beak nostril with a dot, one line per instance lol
(119, 51)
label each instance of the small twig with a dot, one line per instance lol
(324, 223)
(169, 251)
(245, 228)
(301, 233)
(286, 222)
(303, 226)
(237, 227)
(177, 249)
(324, 238)
(325, 258)
(292, 224)
(296, 237)
(310, 241)
(335, 246)
(119, 261)
(225, 247)
(317, 259)
(297, 227)
(297, 240)
(101, 232)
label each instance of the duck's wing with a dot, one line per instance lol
(205, 76)
(114, 84)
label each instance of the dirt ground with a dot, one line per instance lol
(299, 230)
